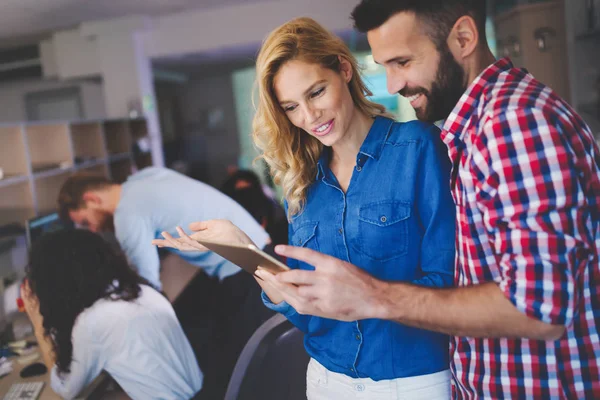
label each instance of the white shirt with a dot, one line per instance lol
(139, 343)
(155, 200)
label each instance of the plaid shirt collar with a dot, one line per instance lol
(454, 128)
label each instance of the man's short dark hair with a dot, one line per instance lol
(71, 194)
(439, 16)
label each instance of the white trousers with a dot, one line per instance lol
(322, 384)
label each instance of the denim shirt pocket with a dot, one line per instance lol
(383, 229)
(305, 235)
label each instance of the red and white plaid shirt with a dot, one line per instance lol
(526, 182)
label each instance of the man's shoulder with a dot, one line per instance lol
(130, 214)
(150, 173)
(518, 91)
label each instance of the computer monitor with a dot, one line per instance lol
(39, 226)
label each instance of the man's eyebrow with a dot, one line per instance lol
(398, 59)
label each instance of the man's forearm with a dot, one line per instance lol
(476, 311)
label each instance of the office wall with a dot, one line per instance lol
(74, 53)
(243, 84)
(12, 97)
(549, 67)
(198, 31)
(584, 63)
(207, 108)
(93, 100)
(77, 55)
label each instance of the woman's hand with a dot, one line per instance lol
(216, 230)
(32, 306)
(273, 292)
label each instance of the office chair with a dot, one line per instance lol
(272, 365)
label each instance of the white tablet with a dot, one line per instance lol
(248, 257)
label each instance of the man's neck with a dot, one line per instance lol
(479, 64)
(112, 197)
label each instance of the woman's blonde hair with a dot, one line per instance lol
(291, 153)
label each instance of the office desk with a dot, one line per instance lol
(13, 377)
(175, 275)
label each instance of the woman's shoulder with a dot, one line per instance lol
(109, 312)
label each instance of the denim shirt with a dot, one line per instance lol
(397, 222)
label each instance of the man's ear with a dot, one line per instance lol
(345, 69)
(464, 38)
(92, 200)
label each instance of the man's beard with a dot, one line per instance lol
(446, 91)
(107, 223)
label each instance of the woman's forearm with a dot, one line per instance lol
(45, 345)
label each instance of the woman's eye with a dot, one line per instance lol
(289, 108)
(317, 93)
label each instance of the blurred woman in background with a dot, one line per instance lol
(91, 312)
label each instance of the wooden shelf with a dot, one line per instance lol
(49, 146)
(99, 169)
(37, 158)
(120, 170)
(118, 137)
(47, 189)
(138, 128)
(16, 196)
(119, 157)
(88, 142)
(16, 203)
(143, 160)
(90, 164)
(52, 172)
(9, 216)
(13, 180)
(13, 154)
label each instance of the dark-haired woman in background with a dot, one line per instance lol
(245, 188)
(91, 312)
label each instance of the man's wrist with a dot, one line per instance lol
(386, 302)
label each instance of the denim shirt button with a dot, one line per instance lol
(357, 337)
(383, 218)
(359, 168)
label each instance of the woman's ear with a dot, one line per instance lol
(345, 69)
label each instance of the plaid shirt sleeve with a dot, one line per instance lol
(533, 211)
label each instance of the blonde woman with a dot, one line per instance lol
(360, 187)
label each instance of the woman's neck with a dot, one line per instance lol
(344, 152)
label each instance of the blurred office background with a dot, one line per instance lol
(114, 86)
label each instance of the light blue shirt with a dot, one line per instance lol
(139, 343)
(155, 200)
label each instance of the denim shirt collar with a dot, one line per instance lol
(371, 147)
